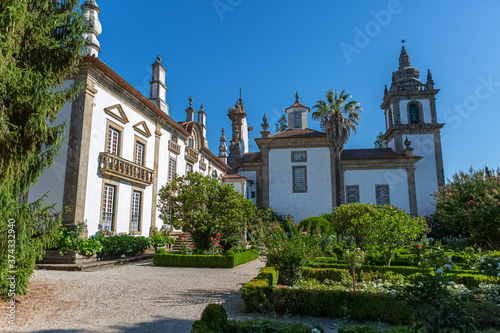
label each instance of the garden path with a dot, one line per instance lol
(136, 297)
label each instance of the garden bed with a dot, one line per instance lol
(162, 258)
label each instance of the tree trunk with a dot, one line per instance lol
(337, 178)
(353, 279)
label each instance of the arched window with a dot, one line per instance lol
(297, 120)
(415, 115)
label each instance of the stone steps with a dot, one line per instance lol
(178, 239)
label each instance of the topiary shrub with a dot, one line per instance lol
(161, 250)
(315, 224)
(229, 253)
(215, 317)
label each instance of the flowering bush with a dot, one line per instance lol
(186, 248)
(354, 259)
(435, 258)
(489, 265)
(215, 247)
(288, 254)
(470, 205)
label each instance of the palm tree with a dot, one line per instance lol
(337, 117)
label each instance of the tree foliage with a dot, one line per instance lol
(40, 45)
(282, 124)
(470, 205)
(379, 141)
(204, 206)
(338, 117)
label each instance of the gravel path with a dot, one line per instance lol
(132, 298)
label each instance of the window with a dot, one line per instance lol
(297, 120)
(113, 141)
(299, 156)
(189, 167)
(415, 114)
(136, 211)
(352, 193)
(299, 179)
(382, 194)
(253, 194)
(108, 207)
(191, 143)
(174, 138)
(139, 153)
(172, 169)
(202, 158)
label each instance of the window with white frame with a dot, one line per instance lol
(113, 141)
(299, 156)
(108, 207)
(191, 142)
(139, 153)
(189, 167)
(382, 195)
(136, 210)
(172, 169)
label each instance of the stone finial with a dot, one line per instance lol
(393, 78)
(297, 97)
(190, 112)
(190, 102)
(430, 82)
(201, 108)
(158, 59)
(240, 100)
(91, 12)
(265, 126)
(223, 148)
(404, 59)
(385, 90)
(408, 151)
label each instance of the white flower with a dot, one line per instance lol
(447, 266)
(315, 330)
(439, 271)
(489, 265)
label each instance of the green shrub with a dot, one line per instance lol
(159, 239)
(229, 253)
(314, 224)
(67, 240)
(170, 259)
(341, 218)
(116, 246)
(372, 329)
(89, 246)
(215, 316)
(161, 250)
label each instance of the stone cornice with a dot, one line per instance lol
(391, 96)
(377, 164)
(409, 129)
(290, 142)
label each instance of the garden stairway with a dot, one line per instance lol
(178, 236)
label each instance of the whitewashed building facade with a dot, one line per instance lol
(292, 172)
(121, 147)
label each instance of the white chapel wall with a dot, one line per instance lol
(318, 198)
(368, 179)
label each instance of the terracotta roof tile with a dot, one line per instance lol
(218, 160)
(371, 153)
(298, 105)
(252, 157)
(298, 133)
(233, 176)
(127, 86)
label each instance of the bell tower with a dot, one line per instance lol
(410, 111)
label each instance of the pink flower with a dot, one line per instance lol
(191, 246)
(495, 191)
(218, 245)
(418, 246)
(215, 242)
(211, 238)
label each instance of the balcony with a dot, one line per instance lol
(114, 166)
(174, 147)
(203, 166)
(191, 155)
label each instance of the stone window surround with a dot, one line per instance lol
(293, 178)
(118, 128)
(144, 150)
(388, 193)
(141, 210)
(347, 192)
(299, 152)
(116, 184)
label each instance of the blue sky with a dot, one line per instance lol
(272, 48)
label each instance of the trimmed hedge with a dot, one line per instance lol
(169, 259)
(261, 296)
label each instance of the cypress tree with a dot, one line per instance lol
(40, 45)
